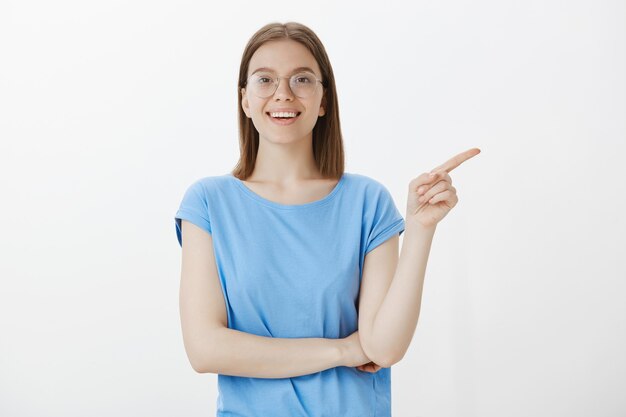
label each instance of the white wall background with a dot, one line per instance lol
(109, 110)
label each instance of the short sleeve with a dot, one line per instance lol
(387, 220)
(193, 208)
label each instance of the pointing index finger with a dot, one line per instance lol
(457, 160)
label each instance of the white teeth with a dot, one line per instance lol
(283, 114)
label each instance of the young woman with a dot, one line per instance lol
(291, 287)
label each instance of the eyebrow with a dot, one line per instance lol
(294, 70)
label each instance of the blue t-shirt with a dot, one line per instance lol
(294, 271)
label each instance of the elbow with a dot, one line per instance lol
(390, 360)
(198, 363)
(204, 366)
(386, 361)
(202, 359)
(394, 355)
(199, 366)
(382, 356)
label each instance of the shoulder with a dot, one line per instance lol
(367, 185)
(205, 185)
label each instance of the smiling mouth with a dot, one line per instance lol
(284, 118)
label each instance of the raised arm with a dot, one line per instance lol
(212, 347)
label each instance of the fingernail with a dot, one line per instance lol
(432, 174)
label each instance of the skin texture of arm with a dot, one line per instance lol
(232, 352)
(391, 294)
(391, 288)
(212, 347)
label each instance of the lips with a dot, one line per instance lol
(284, 111)
(285, 121)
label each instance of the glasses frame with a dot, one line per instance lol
(277, 82)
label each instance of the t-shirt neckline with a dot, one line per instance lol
(247, 191)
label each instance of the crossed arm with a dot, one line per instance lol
(389, 306)
(391, 293)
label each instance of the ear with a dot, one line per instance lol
(323, 105)
(244, 102)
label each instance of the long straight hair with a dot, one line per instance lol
(327, 140)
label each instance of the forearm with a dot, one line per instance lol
(396, 319)
(237, 353)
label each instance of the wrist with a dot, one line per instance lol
(414, 226)
(341, 351)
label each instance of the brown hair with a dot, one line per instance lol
(327, 140)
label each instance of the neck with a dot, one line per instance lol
(285, 161)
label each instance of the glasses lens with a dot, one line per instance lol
(264, 85)
(303, 84)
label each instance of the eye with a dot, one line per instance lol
(304, 78)
(262, 79)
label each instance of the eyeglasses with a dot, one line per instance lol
(264, 85)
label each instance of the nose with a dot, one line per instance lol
(283, 90)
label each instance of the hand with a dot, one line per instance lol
(355, 356)
(432, 197)
(369, 367)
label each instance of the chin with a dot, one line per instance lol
(286, 137)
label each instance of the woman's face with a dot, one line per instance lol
(283, 57)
